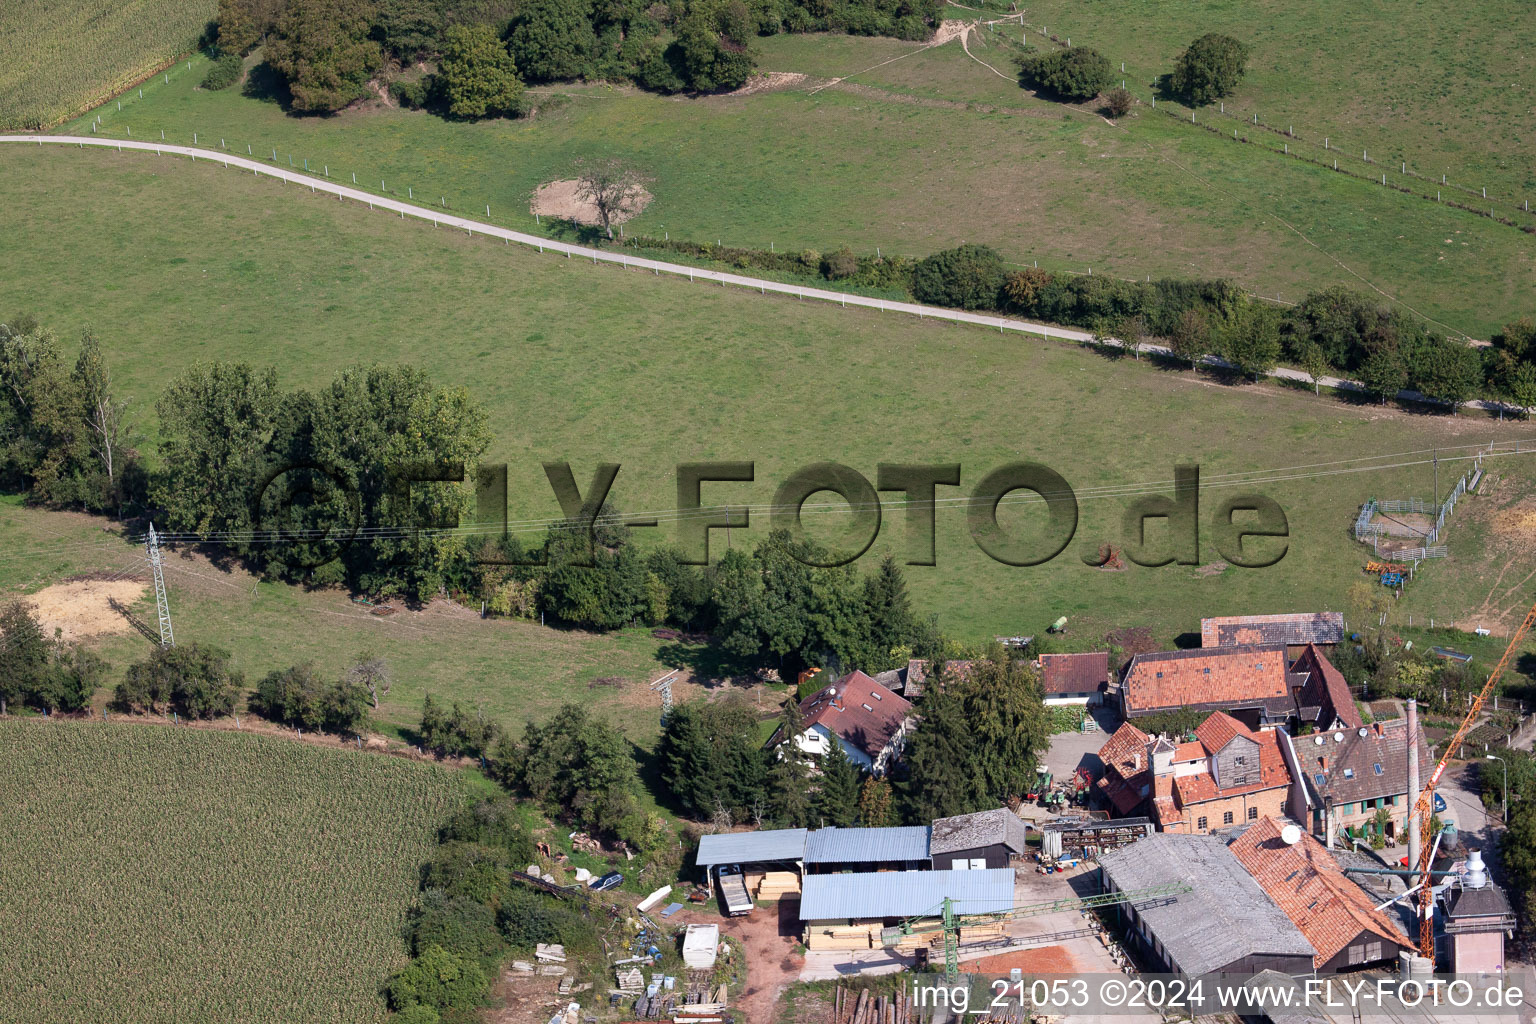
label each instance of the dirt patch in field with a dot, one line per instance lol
(84, 608)
(769, 81)
(1517, 525)
(1040, 960)
(559, 199)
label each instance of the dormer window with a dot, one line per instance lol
(1349, 773)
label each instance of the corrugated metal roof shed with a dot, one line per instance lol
(905, 893)
(751, 847)
(866, 845)
(1226, 918)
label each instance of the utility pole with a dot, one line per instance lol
(1505, 804)
(152, 545)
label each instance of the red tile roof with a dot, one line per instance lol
(1074, 673)
(1327, 689)
(1126, 750)
(1305, 881)
(863, 713)
(1273, 774)
(1221, 677)
(1294, 629)
(1217, 731)
(1189, 751)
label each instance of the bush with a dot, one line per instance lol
(194, 680)
(438, 979)
(841, 264)
(966, 278)
(297, 697)
(1118, 102)
(413, 93)
(225, 72)
(1076, 73)
(1211, 68)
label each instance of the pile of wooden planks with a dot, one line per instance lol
(775, 885)
(551, 953)
(842, 935)
(857, 1006)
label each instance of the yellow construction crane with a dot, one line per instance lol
(1424, 808)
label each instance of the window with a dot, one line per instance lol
(1349, 773)
(1159, 675)
(1207, 671)
(866, 707)
(1226, 819)
(1242, 759)
(1373, 950)
(1322, 780)
(1377, 767)
(876, 695)
(1200, 824)
(1357, 954)
(1253, 814)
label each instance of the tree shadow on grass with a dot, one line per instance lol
(570, 231)
(710, 665)
(263, 82)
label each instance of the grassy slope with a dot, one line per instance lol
(910, 168)
(192, 261)
(1400, 79)
(272, 876)
(57, 57)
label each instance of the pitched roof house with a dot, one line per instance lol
(1250, 682)
(1294, 630)
(1074, 678)
(866, 719)
(1353, 773)
(1227, 775)
(1334, 913)
(1323, 698)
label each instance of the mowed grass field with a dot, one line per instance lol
(922, 152)
(191, 261)
(1448, 88)
(155, 873)
(59, 57)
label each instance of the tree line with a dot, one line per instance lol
(326, 51)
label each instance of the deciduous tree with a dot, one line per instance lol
(478, 76)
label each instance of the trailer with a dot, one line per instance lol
(733, 890)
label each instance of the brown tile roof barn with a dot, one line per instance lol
(1304, 881)
(1074, 673)
(1294, 629)
(1218, 677)
(863, 713)
(974, 831)
(1325, 694)
(1360, 764)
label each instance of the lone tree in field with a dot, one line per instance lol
(1211, 68)
(1191, 336)
(1078, 73)
(1118, 102)
(372, 672)
(614, 190)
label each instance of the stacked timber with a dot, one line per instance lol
(989, 932)
(551, 953)
(857, 1006)
(776, 885)
(824, 935)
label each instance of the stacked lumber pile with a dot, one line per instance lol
(775, 885)
(857, 1006)
(631, 982)
(989, 932)
(910, 944)
(551, 953)
(847, 935)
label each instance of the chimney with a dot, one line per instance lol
(1413, 782)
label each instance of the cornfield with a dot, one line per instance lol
(59, 59)
(155, 874)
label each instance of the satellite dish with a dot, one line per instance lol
(1362, 732)
(1317, 740)
(1338, 737)
(832, 692)
(1290, 835)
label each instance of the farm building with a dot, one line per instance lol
(1335, 914)
(907, 680)
(1088, 837)
(848, 911)
(1225, 924)
(986, 839)
(1295, 631)
(831, 850)
(867, 720)
(1228, 775)
(1074, 678)
(1349, 775)
(1250, 683)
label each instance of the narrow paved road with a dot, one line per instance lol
(1000, 323)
